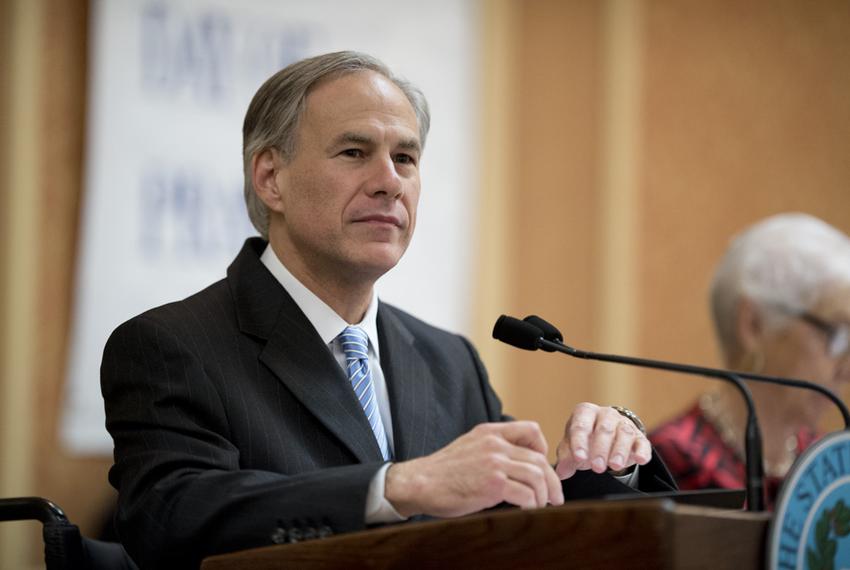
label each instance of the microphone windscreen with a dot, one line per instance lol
(550, 331)
(517, 333)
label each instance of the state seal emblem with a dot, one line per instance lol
(811, 525)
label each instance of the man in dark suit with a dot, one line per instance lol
(285, 401)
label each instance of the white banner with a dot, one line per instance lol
(163, 214)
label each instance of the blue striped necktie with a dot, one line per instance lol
(355, 345)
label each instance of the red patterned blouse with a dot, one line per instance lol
(698, 458)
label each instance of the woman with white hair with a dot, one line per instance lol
(780, 301)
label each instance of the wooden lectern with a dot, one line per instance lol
(628, 535)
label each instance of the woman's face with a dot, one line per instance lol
(802, 350)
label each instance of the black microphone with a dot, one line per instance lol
(515, 332)
(525, 335)
(551, 333)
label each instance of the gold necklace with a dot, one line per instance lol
(720, 418)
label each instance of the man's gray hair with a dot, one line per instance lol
(783, 264)
(275, 111)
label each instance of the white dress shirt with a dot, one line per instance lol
(329, 325)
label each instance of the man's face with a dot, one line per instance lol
(348, 196)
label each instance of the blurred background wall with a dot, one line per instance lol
(622, 144)
(642, 136)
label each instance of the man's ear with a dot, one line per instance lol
(265, 169)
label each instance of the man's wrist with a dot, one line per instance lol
(378, 508)
(625, 412)
(633, 417)
(400, 488)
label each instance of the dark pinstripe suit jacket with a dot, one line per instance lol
(231, 418)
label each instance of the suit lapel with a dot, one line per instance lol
(296, 354)
(410, 385)
(300, 359)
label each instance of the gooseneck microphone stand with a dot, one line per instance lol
(525, 335)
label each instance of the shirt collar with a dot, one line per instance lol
(324, 319)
